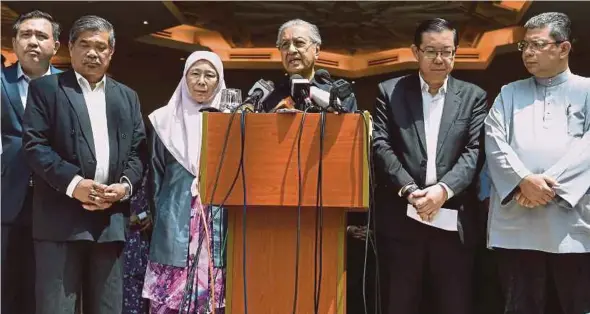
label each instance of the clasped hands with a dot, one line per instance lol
(97, 196)
(428, 201)
(535, 190)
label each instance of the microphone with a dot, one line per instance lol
(300, 89)
(323, 76)
(339, 89)
(342, 88)
(258, 94)
(321, 98)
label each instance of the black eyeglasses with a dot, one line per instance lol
(536, 45)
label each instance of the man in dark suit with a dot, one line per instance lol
(83, 138)
(34, 41)
(426, 148)
(299, 44)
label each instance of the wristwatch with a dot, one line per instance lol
(128, 189)
(408, 189)
(127, 192)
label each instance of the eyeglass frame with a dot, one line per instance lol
(305, 48)
(545, 44)
(438, 52)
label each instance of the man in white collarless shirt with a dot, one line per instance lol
(538, 149)
(35, 42)
(426, 148)
(84, 139)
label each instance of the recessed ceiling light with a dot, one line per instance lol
(182, 59)
(145, 23)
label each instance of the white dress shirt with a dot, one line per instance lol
(23, 83)
(432, 107)
(96, 103)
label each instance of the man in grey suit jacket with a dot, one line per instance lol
(35, 41)
(426, 146)
(538, 149)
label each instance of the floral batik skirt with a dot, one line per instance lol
(199, 287)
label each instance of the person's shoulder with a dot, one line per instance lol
(9, 72)
(468, 86)
(581, 80)
(46, 82)
(400, 80)
(516, 85)
(124, 88)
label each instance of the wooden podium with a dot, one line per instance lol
(270, 163)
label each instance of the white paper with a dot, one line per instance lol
(445, 219)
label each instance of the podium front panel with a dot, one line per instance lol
(271, 165)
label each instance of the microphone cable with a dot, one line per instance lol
(299, 202)
(188, 291)
(215, 185)
(319, 219)
(371, 218)
(244, 190)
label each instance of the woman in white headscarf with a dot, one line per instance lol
(185, 272)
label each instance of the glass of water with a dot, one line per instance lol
(231, 99)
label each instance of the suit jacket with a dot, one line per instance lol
(15, 171)
(59, 145)
(400, 151)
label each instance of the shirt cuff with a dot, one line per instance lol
(72, 185)
(450, 192)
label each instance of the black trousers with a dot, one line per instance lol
(70, 271)
(486, 283)
(430, 274)
(18, 263)
(535, 282)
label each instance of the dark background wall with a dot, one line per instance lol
(155, 79)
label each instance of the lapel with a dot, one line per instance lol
(450, 110)
(10, 83)
(414, 104)
(74, 93)
(113, 105)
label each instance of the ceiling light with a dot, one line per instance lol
(145, 23)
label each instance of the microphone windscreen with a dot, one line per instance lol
(320, 97)
(323, 75)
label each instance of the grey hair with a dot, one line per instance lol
(313, 29)
(558, 23)
(92, 23)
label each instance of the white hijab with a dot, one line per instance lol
(179, 123)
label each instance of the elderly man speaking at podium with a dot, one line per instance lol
(299, 43)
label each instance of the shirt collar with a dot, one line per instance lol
(553, 81)
(83, 81)
(424, 86)
(21, 74)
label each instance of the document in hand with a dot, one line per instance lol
(445, 219)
